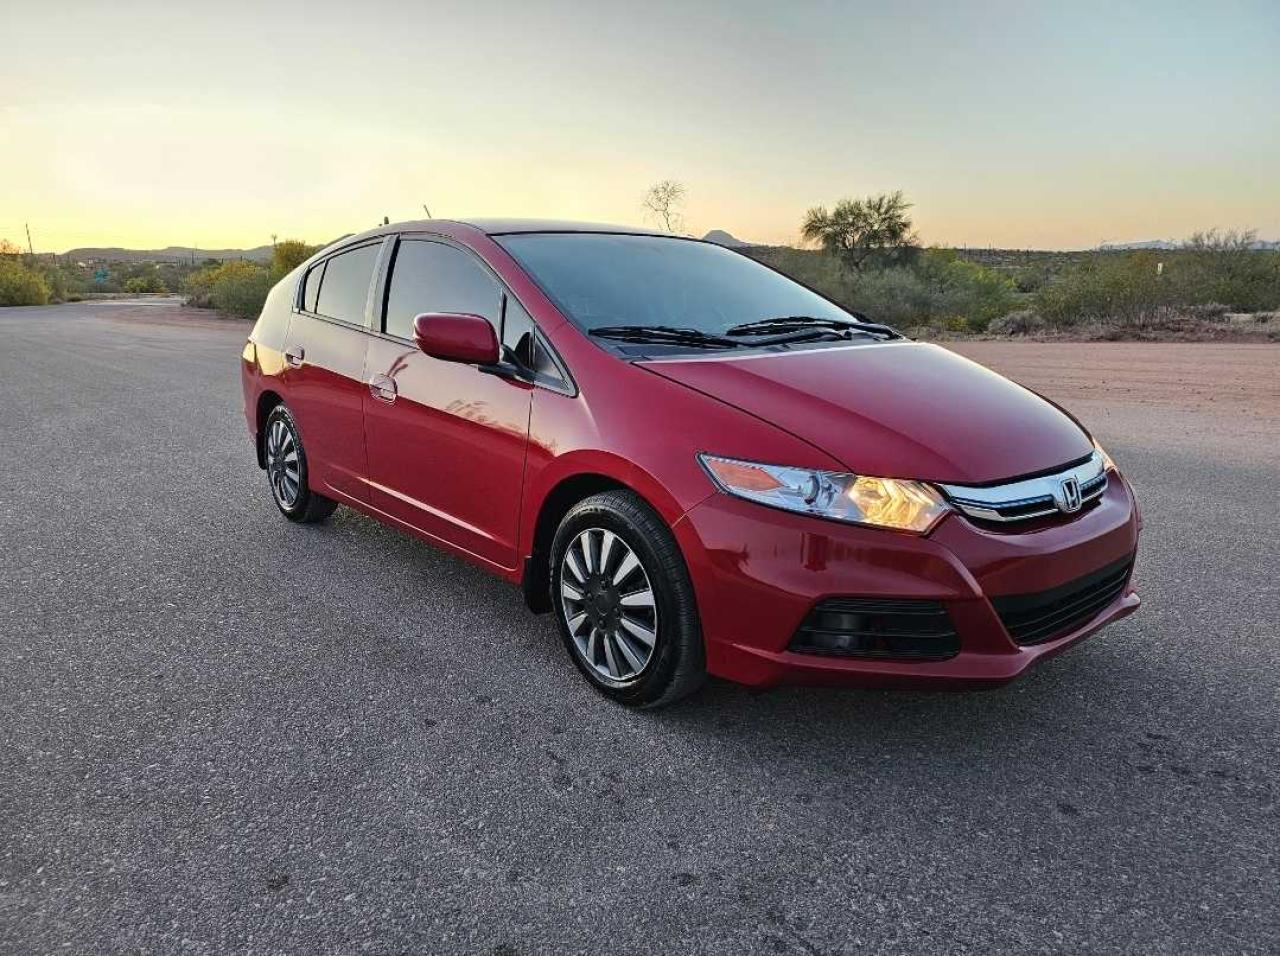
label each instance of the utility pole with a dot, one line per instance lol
(30, 249)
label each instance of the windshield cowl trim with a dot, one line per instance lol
(718, 355)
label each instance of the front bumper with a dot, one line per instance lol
(757, 573)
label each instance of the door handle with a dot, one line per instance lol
(294, 356)
(383, 388)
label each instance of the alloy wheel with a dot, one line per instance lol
(282, 464)
(608, 605)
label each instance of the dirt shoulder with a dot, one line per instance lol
(1223, 399)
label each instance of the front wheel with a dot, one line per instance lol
(286, 462)
(624, 603)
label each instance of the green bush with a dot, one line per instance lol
(144, 284)
(240, 288)
(1211, 275)
(1128, 287)
(288, 255)
(937, 288)
(940, 289)
(1225, 268)
(198, 287)
(20, 285)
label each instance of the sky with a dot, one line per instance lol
(1018, 124)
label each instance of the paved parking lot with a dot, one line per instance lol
(220, 732)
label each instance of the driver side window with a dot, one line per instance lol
(430, 276)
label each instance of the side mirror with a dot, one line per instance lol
(454, 337)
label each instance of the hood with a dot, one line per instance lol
(897, 410)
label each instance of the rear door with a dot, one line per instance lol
(446, 441)
(325, 351)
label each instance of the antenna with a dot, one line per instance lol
(30, 249)
(427, 211)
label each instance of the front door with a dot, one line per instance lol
(446, 441)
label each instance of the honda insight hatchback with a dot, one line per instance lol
(697, 464)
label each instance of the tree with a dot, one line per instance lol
(288, 255)
(664, 200)
(7, 248)
(860, 231)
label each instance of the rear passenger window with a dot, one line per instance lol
(311, 290)
(345, 286)
(432, 277)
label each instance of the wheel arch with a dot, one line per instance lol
(267, 401)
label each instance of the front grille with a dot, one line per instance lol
(1035, 618)
(870, 627)
(1031, 497)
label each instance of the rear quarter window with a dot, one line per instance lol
(344, 289)
(311, 287)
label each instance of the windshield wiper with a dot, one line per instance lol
(666, 335)
(791, 323)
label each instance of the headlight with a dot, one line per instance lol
(884, 502)
(1107, 462)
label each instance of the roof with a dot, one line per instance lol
(502, 226)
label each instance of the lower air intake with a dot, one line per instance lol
(1035, 618)
(869, 627)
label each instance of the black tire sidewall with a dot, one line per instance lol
(281, 413)
(679, 643)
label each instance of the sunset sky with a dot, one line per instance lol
(1053, 125)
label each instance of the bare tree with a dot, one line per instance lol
(664, 200)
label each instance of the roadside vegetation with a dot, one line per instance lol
(863, 253)
(239, 287)
(1216, 284)
(236, 286)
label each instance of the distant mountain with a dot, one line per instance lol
(722, 238)
(168, 254)
(1144, 244)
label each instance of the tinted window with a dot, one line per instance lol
(312, 289)
(346, 284)
(601, 279)
(433, 277)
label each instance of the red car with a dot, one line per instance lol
(698, 465)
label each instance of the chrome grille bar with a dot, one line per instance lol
(1031, 497)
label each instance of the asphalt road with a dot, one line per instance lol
(221, 732)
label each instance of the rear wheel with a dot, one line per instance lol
(624, 603)
(286, 463)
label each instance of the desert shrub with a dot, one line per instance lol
(1033, 277)
(939, 289)
(1207, 311)
(144, 284)
(1126, 286)
(198, 287)
(1206, 279)
(815, 269)
(1225, 267)
(936, 288)
(20, 285)
(288, 255)
(1022, 322)
(240, 288)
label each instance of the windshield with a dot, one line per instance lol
(604, 280)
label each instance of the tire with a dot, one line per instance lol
(286, 464)
(605, 609)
